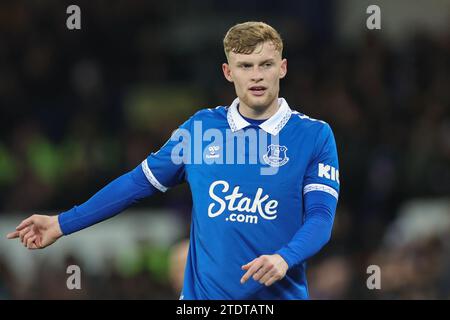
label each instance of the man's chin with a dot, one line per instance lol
(258, 103)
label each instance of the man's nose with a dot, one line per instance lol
(257, 74)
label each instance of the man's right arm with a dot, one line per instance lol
(158, 172)
(108, 202)
(40, 231)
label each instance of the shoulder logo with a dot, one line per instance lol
(276, 155)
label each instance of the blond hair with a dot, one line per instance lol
(245, 37)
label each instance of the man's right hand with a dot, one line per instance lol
(37, 231)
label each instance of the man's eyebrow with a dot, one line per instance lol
(268, 60)
(251, 63)
(243, 62)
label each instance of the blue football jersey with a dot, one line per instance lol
(248, 184)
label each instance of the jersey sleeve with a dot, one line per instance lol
(322, 172)
(166, 167)
(321, 192)
(112, 199)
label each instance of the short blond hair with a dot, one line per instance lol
(245, 37)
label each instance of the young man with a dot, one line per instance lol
(254, 223)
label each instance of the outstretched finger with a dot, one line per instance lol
(248, 265)
(254, 267)
(13, 235)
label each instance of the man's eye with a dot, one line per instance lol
(267, 65)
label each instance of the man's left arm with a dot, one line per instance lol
(321, 190)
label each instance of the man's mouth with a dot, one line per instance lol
(258, 90)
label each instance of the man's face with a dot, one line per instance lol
(256, 76)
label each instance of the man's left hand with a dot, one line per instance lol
(266, 269)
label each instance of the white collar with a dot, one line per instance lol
(273, 125)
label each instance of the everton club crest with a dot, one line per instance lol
(276, 155)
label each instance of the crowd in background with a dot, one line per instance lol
(79, 108)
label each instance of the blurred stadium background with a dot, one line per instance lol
(79, 108)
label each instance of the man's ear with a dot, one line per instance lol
(227, 72)
(283, 68)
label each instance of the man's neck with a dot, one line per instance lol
(259, 114)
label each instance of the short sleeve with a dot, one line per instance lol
(166, 167)
(322, 172)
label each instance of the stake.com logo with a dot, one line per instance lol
(236, 203)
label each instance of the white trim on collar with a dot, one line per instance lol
(273, 125)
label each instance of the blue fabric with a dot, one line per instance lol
(290, 213)
(238, 214)
(254, 122)
(109, 201)
(316, 230)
